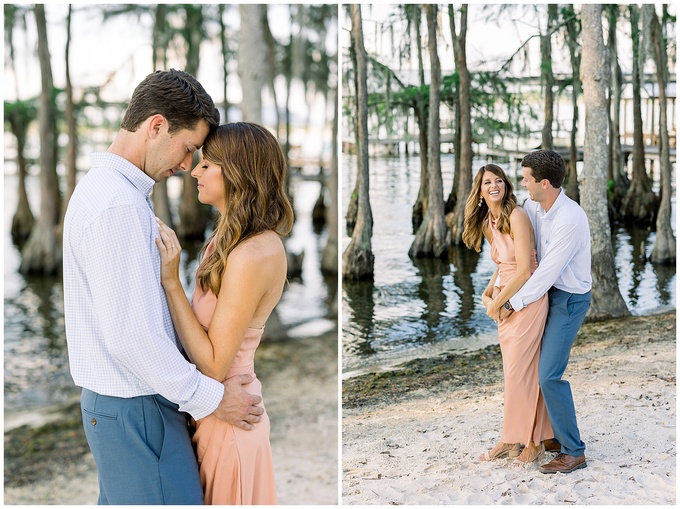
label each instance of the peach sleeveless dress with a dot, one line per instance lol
(525, 416)
(235, 465)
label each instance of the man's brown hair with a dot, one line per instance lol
(176, 95)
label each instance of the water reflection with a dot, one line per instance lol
(665, 283)
(644, 285)
(414, 305)
(360, 306)
(431, 291)
(464, 262)
(36, 364)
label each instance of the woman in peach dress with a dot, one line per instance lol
(238, 282)
(491, 211)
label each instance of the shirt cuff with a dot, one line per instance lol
(516, 302)
(207, 397)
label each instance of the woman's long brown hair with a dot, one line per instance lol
(477, 212)
(254, 175)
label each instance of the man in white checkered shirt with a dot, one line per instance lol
(123, 350)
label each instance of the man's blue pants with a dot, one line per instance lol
(142, 449)
(565, 317)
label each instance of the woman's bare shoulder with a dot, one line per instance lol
(519, 216)
(518, 211)
(260, 247)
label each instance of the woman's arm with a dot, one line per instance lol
(521, 229)
(245, 281)
(487, 295)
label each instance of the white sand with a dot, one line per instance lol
(423, 450)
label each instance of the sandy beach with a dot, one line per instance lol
(51, 463)
(411, 436)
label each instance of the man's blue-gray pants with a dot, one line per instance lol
(142, 449)
(565, 317)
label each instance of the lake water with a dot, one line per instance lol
(35, 355)
(423, 307)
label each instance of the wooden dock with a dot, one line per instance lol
(391, 146)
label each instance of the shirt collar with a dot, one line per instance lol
(559, 201)
(140, 180)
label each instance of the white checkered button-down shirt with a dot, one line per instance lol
(121, 339)
(563, 247)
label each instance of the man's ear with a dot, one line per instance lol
(155, 125)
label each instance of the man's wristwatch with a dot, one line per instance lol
(507, 306)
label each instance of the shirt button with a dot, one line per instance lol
(94, 421)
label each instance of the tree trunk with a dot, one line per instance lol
(548, 79)
(271, 67)
(193, 216)
(329, 258)
(451, 201)
(606, 298)
(358, 260)
(421, 111)
(72, 147)
(640, 204)
(159, 195)
(420, 206)
(42, 252)
(465, 168)
(618, 181)
(664, 243)
(160, 37)
(353, 206)
(18, 116)
(288, 72)
(23, 220)
(224, 47)
(252, 62)
(571, 181)
(433, 237)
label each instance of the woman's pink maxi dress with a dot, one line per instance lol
(235, 465)
(525, 417)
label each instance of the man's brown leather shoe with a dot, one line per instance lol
(564, 463)
(552, 445)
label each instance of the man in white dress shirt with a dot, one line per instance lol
(563, 249)
(123, 350)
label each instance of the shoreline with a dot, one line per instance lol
(48, 461)
(411, 435)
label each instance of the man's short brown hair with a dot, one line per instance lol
(546, 164)
(176, 95)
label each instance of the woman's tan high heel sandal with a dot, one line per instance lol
(530, 454)
(502, 450)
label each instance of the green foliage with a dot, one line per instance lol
(611, 190)
(497, 110)
(26, 111)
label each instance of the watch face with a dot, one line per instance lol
(507, 306)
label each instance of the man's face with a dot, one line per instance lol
(536, 189)
(171, 152)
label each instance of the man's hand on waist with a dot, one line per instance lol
(237, 406)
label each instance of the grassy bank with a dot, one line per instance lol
(450, 371)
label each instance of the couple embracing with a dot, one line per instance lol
(152, 364)
(539, 296)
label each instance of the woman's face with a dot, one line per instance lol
(493, 188)
(210, 184)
